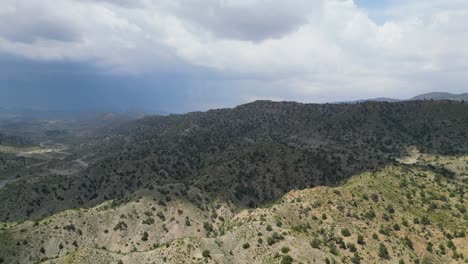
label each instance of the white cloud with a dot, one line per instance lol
(311, 48)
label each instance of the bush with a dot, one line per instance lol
(352, 247)
(206, 253)
(408, 242)
(360, 240)
(285, 250)
(356, 259)
(148, 221)
(274, 238)
(315, 243)
(269, 228)
(429, 247)
(425, 220)
(287, 259)
(333, 249)
(383, 252)
(370, 214)
(144, 237)
(345, 232)
(245, 245)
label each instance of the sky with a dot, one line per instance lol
(190, 55)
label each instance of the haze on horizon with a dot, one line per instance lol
(182, 55)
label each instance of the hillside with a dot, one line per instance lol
(248, 155)
(402, 212)
(198, 180)
(14, 141)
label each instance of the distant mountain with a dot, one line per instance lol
(378, 99)
(427, 96)
(441, 96)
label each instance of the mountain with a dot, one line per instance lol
(428, 96)
(441, 96)
(264, 182)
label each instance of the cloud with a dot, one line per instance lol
(303, 50)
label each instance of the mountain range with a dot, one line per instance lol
(427, 96)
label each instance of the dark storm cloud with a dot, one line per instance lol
(78, 86)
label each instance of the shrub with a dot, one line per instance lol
(269, 228)
(285, 250)
(287, 259)
(352, 247)
(144, 237)
(383, 252)
(408, 242)
(360, 240)
(425, 220)
(148, 221)
(274, 238)
(345, 232)
(370, 214)
(120, 226)
(161, 216)
(315, 243)
(356, 259)
(245, 245)
(405, 222)
(429, 247)
(333, 249)
(206, 253)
